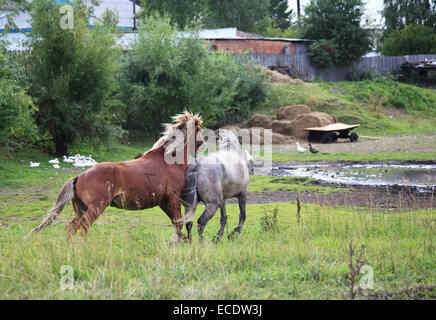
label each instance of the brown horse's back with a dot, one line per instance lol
(133, 185)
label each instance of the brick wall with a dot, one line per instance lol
(256, 46)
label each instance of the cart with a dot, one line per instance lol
(332, 132)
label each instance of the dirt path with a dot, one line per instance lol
(376, 198)
(402, 143)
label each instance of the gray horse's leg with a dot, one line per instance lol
(223, 221)
(242, 199)
(189, 228)
(208, 213)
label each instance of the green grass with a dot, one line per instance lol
(288, 184)
(127, 254)
(16, 172)
(382, 107)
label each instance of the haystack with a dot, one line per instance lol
(232, 127)
(260, 120)
(247, 136)
(282, 127)
(276, 77)
(291, 112)
(314, 119)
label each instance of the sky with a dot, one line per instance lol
(372, 7)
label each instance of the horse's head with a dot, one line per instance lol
(182, 136)
(191, 126)
(228, 140)
(185, 132)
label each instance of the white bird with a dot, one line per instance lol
(249, 156)
(56, 166)
(300, 148)
(69, 160)
(54, 161)
(33, 164)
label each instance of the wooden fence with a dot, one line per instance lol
(308, 71)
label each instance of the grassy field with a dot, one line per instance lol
(299, 256)
(127, 254)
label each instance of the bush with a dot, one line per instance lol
(168, 71)
(360, 75)
(323, 53)
(16, 110)
(412, 39)
(268, 221)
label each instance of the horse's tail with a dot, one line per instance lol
(66, 195)
(189, 195)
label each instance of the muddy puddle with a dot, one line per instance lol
(419, 176)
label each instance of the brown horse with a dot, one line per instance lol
(156, 178)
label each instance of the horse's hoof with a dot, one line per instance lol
(233, 235)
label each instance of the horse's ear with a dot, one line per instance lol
(239, 139)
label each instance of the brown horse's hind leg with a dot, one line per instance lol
(89, 216)
(80, 209)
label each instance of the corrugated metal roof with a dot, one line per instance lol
(223, 33)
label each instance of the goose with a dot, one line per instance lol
(312, 149)
(56, 166)
(249, 156)
(69, 160)
(300, 148)
(54, 161)
(33, 164)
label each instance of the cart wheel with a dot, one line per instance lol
(311, 137)
(353, 137)
(329, 137)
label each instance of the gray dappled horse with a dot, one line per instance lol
(213, 179)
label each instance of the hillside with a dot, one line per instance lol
(382, 107)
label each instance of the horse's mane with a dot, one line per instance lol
(180, 122)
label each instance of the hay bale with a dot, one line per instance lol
(260, 120)
(326, 118)
(291, 112)
(232, 127)
(282, 127)
(246, 136)
(314, 119)
(276, 77)
(278, 138)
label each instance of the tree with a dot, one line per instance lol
(399, 13)
(323, 53)
(338, 21)
(412, 39)
(16, 108)
(181, 12)
(246, 15)
(281, 17)
(72, 74)
(165, 74)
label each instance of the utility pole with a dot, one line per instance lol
(134, 15)
(298, 9)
